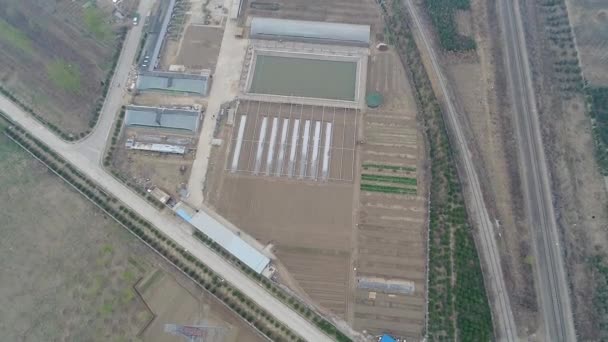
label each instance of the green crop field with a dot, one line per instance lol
(442, 13)
(598, 102)
(64, 75)
(389, 179)
(387, 189)
(95, 22)
(13, 37)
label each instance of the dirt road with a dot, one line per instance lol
(503, 315)
(552, 283)
(224, 88)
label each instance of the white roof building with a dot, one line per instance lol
(224, 237)
(310, 31)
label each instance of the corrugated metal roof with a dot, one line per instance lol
(313, 31)
(162, 118)
(173, 83)
(229, 241)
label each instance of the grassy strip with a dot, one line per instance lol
(260, 319)
(442, 13)
(387, 189)
(389, 167)
(73, 136)
(458, 306)
(389, 179)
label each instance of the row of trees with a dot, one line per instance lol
(194, 268)
(566, 68)
(442, 14)
(276, 291)
(458, 306)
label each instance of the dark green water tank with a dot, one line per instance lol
(374, 100)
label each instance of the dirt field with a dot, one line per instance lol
(175, 300)
(70, 278)
(166, 171)
(391, 234)
(57, 62)
(309, 223)
(313, 156)
(590, 22)
(356, 12)
(198, 49)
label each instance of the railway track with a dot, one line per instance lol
(503, 315)
(552, 285)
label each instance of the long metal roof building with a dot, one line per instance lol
(310, 31)
(180, 119)
(223, 236)
(173, 82)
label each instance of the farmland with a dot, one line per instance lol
(443, 16)
(70, 278)
(589, 20)
(458, 305)
(598, 98)
(391, 234)
(58, 64)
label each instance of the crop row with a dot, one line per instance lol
(389, 179)
(382, 167)
(558, 31)
(387, 189)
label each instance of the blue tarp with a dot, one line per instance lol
(387, 338)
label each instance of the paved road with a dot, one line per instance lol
(86, 155)
(552, 283)
(503, 316)
(170, 225)
(94, 144)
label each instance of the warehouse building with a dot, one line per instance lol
(310, 31)
(173, 82)
(164, 118)
(223, 236)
